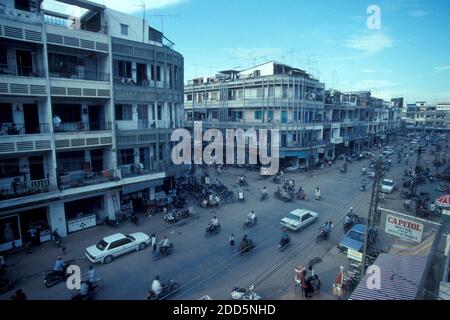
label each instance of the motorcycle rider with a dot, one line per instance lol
(251, 217)
(59, 267)
(156, 287)
(264, 193)
(241, 180)
(301, 193)
(363, 171)
(244, 244)
(164, 244)
(363, 185)
(317, 193)
(284, 238)
(91, 278)
(214, 224)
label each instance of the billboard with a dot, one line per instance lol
(404, 228)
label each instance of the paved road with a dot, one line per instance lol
(208, 266)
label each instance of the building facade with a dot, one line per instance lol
(313, 122)
(428, 117)
(75, 92)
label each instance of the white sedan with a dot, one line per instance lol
(116, 245)
(299, 219)
(387, 186)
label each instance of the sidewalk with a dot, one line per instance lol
(328, 274)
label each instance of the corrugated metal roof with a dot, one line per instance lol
(400, 278)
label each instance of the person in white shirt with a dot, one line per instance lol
(164, 244)
(251, 217)
(57, 121)
(156, 286)
(215, 221)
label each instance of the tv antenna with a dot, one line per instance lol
(162, 17)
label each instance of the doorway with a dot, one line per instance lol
(31, 117)
(97, 160)
(24, 62)
(142, 111)
(94, 118)
(36, 165)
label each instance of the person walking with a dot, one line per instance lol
(153, 242)
(231, 241)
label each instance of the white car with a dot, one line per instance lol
(116, 245)
(299, 219)
(387, 186)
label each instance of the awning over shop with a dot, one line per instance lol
(136, 187)
(401, 278)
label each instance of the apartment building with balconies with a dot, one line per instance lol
(429, 117)
(355, 121)
(270, 96)
(60, 163)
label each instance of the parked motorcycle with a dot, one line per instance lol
(157, 254)
(244, 294)
(212, 230)
(168, 288)
(170, 217)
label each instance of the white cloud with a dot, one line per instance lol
(441, 68)
(368, 71)
(370, 43)
(418, 13)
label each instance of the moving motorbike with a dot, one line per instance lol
(241, 195)
(264, 196)
(302, 196)
(323, 234)
(168, 288)
(52, 278)
(244, 294)
(363, 187)
(55, 236)
(212, 230)
(284, 243)
(246, 247)
(96, 287)
(158, 254)
(250, 223)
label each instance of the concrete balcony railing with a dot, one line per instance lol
(82, 126)
(306, 144)
(18, 188)
(81, 179)
(21, 71)
(20, 129)
(82, 75)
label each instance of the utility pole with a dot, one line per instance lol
(417, 171)
(373, 217)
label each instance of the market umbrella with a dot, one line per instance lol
(443, 201)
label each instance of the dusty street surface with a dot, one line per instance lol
(208, 266)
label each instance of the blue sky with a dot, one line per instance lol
(409, 56)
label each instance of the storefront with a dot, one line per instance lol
(138, 195)
(14, 228)
(84, 213)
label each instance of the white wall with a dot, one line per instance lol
(136, 31)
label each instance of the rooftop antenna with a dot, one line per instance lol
(291, 52)
(163, 16)
(143, 18)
